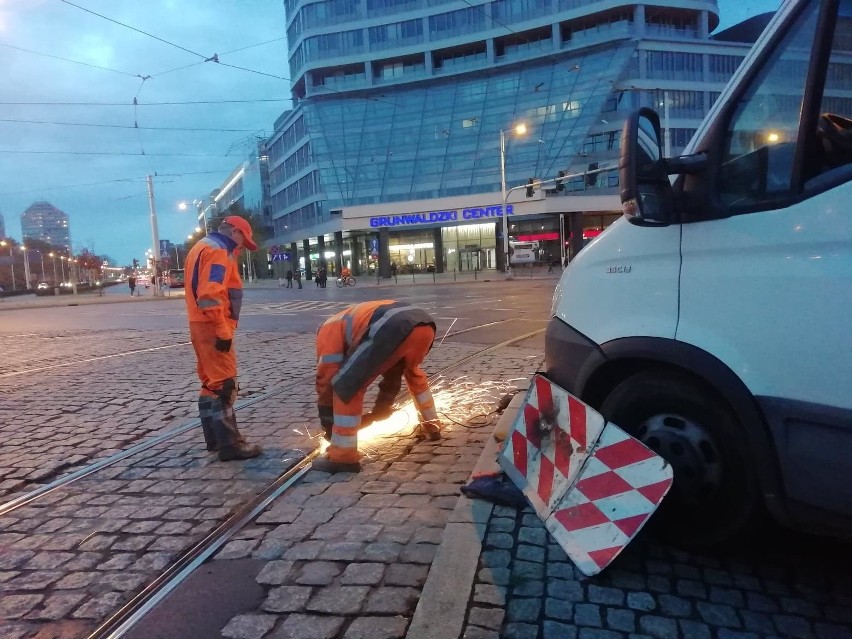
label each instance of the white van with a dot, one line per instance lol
(713, 321)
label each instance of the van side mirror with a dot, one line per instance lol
(646, 193)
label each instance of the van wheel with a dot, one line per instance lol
(714, 495)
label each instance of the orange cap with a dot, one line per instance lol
(242, 225)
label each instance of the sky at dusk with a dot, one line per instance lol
(96, 174)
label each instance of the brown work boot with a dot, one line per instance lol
(430, 432)
(325, 465)
(240, 451)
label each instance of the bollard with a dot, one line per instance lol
(454, 273)
(475, 271)
(395, 280)
(412, 277)
(433, 277)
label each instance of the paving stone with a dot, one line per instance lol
(248, 626)
(727, 633)
(363, 574)
(718, 614)
(501, 524)
(596, 633)
(475, 632)
(534, 536)
(528, 589)
(377, 628)
(304, 550)
(383, 551)
(793, 626)
(418, 553)
(530, 553)
(36, 580)
(658, 583)
(16, 606)
(490, 594)
(607, 596)
(491, 618)
(760, 603)
(556, 630)
(499, 540)
(122, 581)
(341, 600)
(287, 599)
(318, 573)
(520, 631)
(558, 609)
(57, 606)
(76, 580)
(497, 576)
(620, 619)
(674, 606)
(795, 606)
(13, 630)
(587, 615)
(406, 575)
(395, 601)
(495, 558)
(567, 590)
(524, 609)
(660, 627)
(99, 606)
(694, 629)
(560, 570)
(527, 570)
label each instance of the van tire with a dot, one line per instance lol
(714, 497)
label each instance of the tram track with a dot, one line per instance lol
(188, 560)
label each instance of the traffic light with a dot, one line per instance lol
(559, 185)
(530, 190)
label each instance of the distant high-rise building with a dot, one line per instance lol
(2, 226)
(43, 221)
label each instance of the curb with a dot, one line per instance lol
(441, 610)
(86, 301)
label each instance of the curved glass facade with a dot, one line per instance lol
(403, 101)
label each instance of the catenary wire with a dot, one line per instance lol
(130, 179)
(56, 57)
(177, 46)
(127, 126)
(124, 104)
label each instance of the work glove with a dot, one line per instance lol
(223, 345)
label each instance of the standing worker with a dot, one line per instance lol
(356, 346)
(214, 295)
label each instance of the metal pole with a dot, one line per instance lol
(155, 237)
(55, 278)
(12, 264)
(73, 273)
(503, 212)
(27, 268)
(668, 135)
(62, 266)
(41, 255)
(177, 257)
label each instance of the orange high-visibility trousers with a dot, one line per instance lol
(213, 366)
(347, 415)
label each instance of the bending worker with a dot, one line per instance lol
(356, 346)
(214, 295)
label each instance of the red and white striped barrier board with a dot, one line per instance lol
(592, 484)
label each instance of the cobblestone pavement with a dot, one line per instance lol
(785, 585)
(73, 557)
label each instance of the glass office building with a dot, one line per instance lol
(392, 152)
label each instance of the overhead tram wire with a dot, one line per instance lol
(57, 57)
(140, 178)
(124, 104)
(128, 126)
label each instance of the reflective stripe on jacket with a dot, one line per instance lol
(353, 344)
(214, 290)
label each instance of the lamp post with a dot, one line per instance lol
(26, 268)
(11, 261)
(55, 278)
(41, 255)
(62, 266)
(519, 129)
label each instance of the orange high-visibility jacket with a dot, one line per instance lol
(353, 344)
(214, 290)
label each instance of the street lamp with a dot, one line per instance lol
(62, 266)
(11, 261)
(26, 267)
(519, 129)
(55, 278)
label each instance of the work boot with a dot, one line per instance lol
(325, 465)
(205, 412)
(430, 431)
(231, 444)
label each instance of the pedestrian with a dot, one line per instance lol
(549, 263)
(323, 277)
(297, 275)
(289, 278)
(356, 346)
(214, 293)
(393, 269)
(131, 282)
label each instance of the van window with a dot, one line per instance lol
(758, 152)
